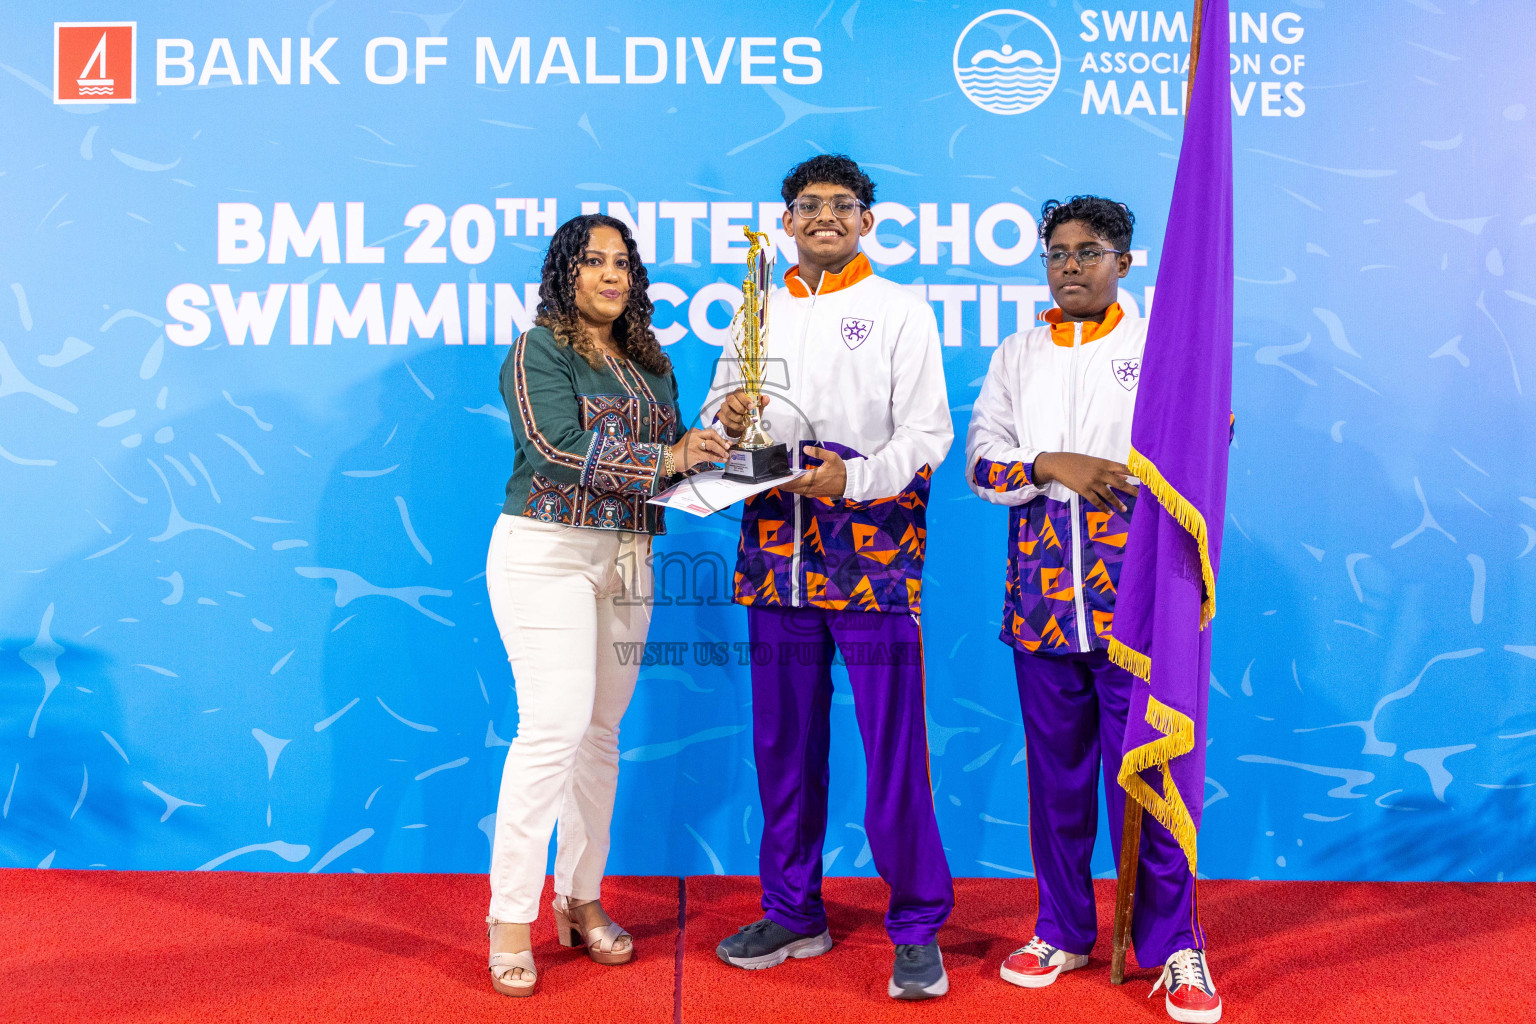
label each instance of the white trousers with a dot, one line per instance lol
(565, 599)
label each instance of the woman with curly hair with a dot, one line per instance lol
(597, 431)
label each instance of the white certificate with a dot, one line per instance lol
(709, 492)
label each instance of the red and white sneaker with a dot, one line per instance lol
(1191, 994)
(1039, 963)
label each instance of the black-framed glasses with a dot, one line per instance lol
(1085, 257)
(810, 206)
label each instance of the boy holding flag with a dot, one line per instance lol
(1136, 688)
(1049, 437)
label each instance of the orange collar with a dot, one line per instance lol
(857, 270)
(1061, 333)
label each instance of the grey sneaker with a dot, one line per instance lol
(766, 943)
(918, 973)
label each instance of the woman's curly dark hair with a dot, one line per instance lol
(557, 297)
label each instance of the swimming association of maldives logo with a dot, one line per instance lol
(93, 62)
(1007, 62)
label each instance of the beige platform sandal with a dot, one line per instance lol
(502, 965)
(609, 944)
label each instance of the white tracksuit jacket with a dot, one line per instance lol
(1058, 387)
(854, 367)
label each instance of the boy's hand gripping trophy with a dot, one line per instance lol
(756, 457)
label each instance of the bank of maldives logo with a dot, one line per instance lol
(93, 62)
(1007, 62)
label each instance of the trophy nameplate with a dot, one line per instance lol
(754, 465)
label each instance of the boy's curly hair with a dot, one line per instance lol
(1104, 217)
(831, 169)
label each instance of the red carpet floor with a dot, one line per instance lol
(1282, 952)
(215, 947)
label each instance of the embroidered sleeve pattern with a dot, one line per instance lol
(589, 464)
(1002, 477)
(616, 465)
(546, 449)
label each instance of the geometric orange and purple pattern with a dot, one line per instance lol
(854, 555)
(1039, 606)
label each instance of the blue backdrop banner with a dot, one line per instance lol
(262, 262)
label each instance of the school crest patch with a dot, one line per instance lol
(1127, 372)
(856, 330)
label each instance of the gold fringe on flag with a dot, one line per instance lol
(1188, 517)
(1169, 807)
(1178, 729)
(1133, 661)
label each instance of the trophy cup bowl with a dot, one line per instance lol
(756, 457)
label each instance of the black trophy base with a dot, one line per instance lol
(754, 465)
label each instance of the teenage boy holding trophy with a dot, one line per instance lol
(831, 562)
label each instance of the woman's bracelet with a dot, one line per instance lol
(667, 466)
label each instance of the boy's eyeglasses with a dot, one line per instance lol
(1085, 257)
(810, 206)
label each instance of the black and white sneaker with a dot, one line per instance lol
(763, 944)
(918, 973)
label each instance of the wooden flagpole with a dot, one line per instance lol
(1130, 832)
(1125, 887)
(1194, 43)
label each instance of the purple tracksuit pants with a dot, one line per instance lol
(791, 700)
(1074, 716)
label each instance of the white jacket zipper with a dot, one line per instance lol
(1077, 539)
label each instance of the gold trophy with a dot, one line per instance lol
(756, 457)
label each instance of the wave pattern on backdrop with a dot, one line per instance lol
(242, 616)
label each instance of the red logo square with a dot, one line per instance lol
(93, 62)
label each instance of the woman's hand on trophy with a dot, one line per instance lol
(827, 480)
(697, 446)
(735, 412)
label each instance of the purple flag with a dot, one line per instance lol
(1179, 440)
